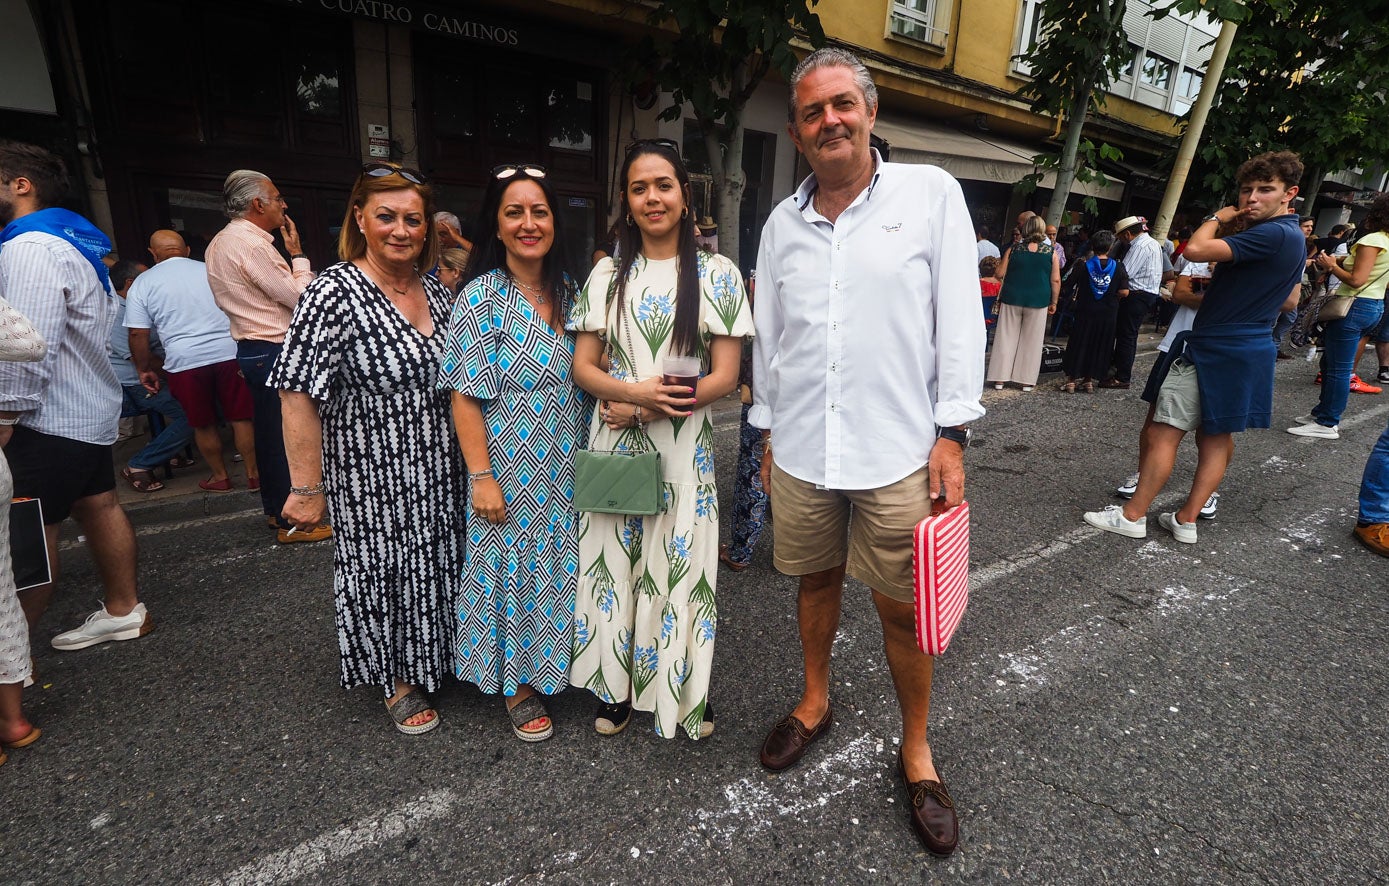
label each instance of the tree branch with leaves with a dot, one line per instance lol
(1079, 50)
(712, 55)
(1303, 75)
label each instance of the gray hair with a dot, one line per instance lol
(833, 57)
(449, 217)
(240, 188)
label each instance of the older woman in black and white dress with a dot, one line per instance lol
(370, 438)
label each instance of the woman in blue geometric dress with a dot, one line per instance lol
(508, 362)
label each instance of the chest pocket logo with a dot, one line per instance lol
(892, 229)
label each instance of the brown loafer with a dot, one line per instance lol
(932, 813)
(787, 741)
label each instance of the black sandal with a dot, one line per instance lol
(612, 718)
(407, 706)
(528, 710)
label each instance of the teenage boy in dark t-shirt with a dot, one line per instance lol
(1223, 382)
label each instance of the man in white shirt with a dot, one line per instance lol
(863, 275)
(59, 416)
(985, 246)
(1143, 262)
(174, 301)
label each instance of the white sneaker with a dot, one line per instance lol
(1112, 519)
(1307, 419)
(1128, 487)
(102, 627)
(1209, 508)
(1312, 429)
(1182, 532)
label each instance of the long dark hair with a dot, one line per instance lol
(1377, 219)
(489, 254)
(685, 334)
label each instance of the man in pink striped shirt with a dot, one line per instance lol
(258, 289)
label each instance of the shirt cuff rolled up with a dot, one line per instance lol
(953, 413)
(760, 417)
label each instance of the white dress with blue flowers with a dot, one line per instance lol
(645, 617)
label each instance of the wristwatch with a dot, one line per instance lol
(956, 435)
(1215, 217)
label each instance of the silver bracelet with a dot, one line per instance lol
(487, 473)
(315, 489)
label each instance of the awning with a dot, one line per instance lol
(24, 81)
(976, 157)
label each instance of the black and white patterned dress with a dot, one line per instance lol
(393, 472)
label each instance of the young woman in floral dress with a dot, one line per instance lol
(645, 618)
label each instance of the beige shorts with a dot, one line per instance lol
(1178, 402)
(867, 530)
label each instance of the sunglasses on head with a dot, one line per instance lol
(667, 143)
(381, 170)
(511, 170)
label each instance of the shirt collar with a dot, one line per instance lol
(806, 192)
(250, 225)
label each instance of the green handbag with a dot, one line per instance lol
(615, 481)
(618, 482)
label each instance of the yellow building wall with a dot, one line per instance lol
(972, 74)
(983, 35)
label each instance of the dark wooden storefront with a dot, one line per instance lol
(183, 93)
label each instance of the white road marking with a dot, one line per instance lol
(160, 528)
(755, 802)
(1360, 418)
(309, 858)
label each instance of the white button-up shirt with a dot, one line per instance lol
(73, 392)
(870, 330)
(1143, 262)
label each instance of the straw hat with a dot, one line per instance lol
(1132, 221)
(707, 225)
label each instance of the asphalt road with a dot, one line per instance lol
(1111, 710)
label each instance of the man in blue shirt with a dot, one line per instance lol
(1223, 380)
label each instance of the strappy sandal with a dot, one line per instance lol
(528, 710)
(182, 461)
(407, 706)
(1068, 388)
(24, 742)
(141, 480)
(729, 561)
(1088, 387)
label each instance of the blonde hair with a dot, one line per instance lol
(455, 258)
(352, 243)
(1034, 230)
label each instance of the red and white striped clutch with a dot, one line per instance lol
(940, 567)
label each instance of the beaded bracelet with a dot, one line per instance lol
(315, 489)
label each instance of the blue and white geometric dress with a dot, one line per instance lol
(516, 608)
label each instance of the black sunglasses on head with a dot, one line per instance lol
(510, 170)
(381, 170)
(667, 143)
